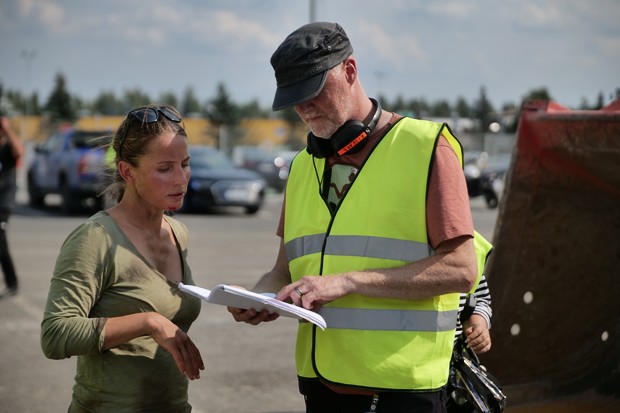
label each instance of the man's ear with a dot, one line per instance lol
(350, 68)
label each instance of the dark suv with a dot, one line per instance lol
(69, 163)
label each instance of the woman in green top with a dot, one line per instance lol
(113, 299)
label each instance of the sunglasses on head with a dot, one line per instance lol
(151, 114)
(148, 115)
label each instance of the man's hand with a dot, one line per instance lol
(251, 316)
(312, 292)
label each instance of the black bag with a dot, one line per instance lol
(470, 387)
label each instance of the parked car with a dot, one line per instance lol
(473, 163)
(493, 178)
(276, 168)
(216, 182)
(249, 156)
(69, 163)
(487, 179)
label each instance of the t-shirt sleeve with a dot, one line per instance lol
(77, 282)
(280, 229)
(448, 214)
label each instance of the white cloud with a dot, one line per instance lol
(454, 9)
(439, 48)
(25, 7)
(397, 52)
(51, 15)
(546, 14)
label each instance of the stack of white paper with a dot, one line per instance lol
(238, 297)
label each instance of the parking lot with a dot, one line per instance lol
(248, 369)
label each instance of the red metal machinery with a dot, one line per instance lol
(555, 271)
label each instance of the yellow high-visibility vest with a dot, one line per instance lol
(374, 343)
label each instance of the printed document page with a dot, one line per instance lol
(238, 297)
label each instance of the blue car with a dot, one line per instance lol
(69, 163)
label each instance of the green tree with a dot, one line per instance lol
(223, 114)
(60, 105)
(534, 94)
(538, 94)
(189, 102)
(294, 123)
(441, 108)
(482, 110)
(13, 100)
(169, 98)
(33, 104)
(600, 101)
(398, 105)
(462, 107)
(107, 104)
(419, 107)
(133, 98)
(583, 104)
(253, 110)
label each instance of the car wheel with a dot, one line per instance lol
(251, 210)
(492, 200)
(35, 197)
(187, 204)
(70, 203)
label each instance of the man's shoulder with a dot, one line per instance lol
(421, 129)
(421, 123)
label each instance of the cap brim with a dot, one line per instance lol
(300, 92)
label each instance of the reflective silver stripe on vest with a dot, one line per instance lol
(301, 246)
(395, 320)
(358, 246)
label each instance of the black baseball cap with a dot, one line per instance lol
(302, 60)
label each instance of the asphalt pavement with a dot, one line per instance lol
(249, 369)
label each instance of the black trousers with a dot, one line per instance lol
(321, 399)
(6, 262)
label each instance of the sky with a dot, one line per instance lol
(431, 49)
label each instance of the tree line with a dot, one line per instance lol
(63, 106)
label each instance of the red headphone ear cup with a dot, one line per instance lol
(347, 134)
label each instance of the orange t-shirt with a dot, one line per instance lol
(448, 214)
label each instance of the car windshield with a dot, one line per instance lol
(91, 139)
(210, 158)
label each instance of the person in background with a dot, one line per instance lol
(11, 152)
(472, 329)
(114, 300)
(473, 325)
(477, 322)
(376, 235)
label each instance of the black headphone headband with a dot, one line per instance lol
(349, 138)
(375, 118)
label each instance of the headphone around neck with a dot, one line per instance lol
(349, 138)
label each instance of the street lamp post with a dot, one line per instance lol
(28, 56)
(312, 11)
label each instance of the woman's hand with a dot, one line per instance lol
(176, 342)
(477, 334)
